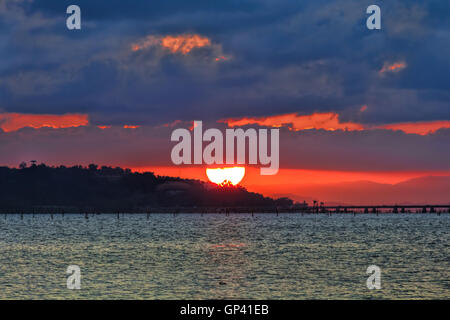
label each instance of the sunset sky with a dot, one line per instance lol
(363, 108)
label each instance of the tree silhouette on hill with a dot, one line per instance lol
(111, 189)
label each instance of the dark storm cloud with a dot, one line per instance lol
(374, 150)
(284, 56)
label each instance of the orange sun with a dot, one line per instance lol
(224, 176)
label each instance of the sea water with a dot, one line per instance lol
(213, 256)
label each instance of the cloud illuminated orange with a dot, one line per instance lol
(327, 121)
(172, 124)
(176, 44)
(15, 121)
(184, 43)
(146, 43)
(193, 125)
(330, 122)
(221, 58)
(422, 128)
(393, 67)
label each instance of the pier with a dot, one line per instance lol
(423, 208)
(316, 208)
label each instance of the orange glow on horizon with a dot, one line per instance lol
(15, 121)
(222, 176)
(130, 127)
(287, 176)
(287, 182)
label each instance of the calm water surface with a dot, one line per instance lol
(190, 256)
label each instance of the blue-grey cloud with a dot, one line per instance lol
(284, 56)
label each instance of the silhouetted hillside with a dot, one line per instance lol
(115, 189)
(422, 190)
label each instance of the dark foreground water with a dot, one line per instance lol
(217, 257)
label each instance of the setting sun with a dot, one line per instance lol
(222, 176)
